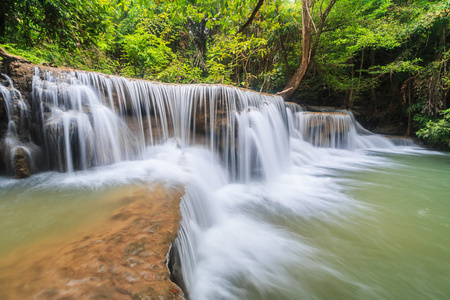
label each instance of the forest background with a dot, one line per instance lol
(386, 60)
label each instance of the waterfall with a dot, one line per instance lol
(82, 120)
(17, 151)
(333, 130)
(90, 119)
(244, 151)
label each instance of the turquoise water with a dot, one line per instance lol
(393, 243)
(400, 246)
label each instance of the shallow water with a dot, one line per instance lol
(29, 216)
(51, 205)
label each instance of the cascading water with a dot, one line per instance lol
(78, 129)
(16, 146)
(334, 130)
(258, 176)
(88, 119)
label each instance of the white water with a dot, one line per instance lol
(16, 112)
(255, 187)
(234, 245)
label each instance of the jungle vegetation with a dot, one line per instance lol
(385, 59)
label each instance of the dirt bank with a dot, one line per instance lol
(122, 258)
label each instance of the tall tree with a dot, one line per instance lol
(308, 51)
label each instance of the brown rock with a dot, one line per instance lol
(21, 163)
(120, 259)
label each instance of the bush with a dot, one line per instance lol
(437, 131)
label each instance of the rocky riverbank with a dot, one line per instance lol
(125, 257)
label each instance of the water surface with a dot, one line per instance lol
(344, 225)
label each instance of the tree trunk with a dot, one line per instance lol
(408, 131)
(286, 61)
(2, 23)
(295, 80)
(373, 96)
(308, 50)
(351, 98)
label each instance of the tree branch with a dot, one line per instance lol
(253, 15)
(323, 17)
(312, 21)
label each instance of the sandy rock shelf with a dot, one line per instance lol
(124, 257)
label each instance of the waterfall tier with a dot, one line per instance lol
(331, 130)
(78, 120)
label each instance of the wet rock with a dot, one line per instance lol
(176, 273)
(3, 117)
(294, 107)
(22, 75)
(79, 267)
(325, 129)
(3, 129)
(66, 136)
(21, 163)
(136, 247)
(330, 122)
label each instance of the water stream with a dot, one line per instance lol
(278, 204)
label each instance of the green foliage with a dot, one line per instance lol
(436, 131)
(179, 71)
(71, 23)
(33, 55)
(145, 53)
(92, 59)
(230, 52)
